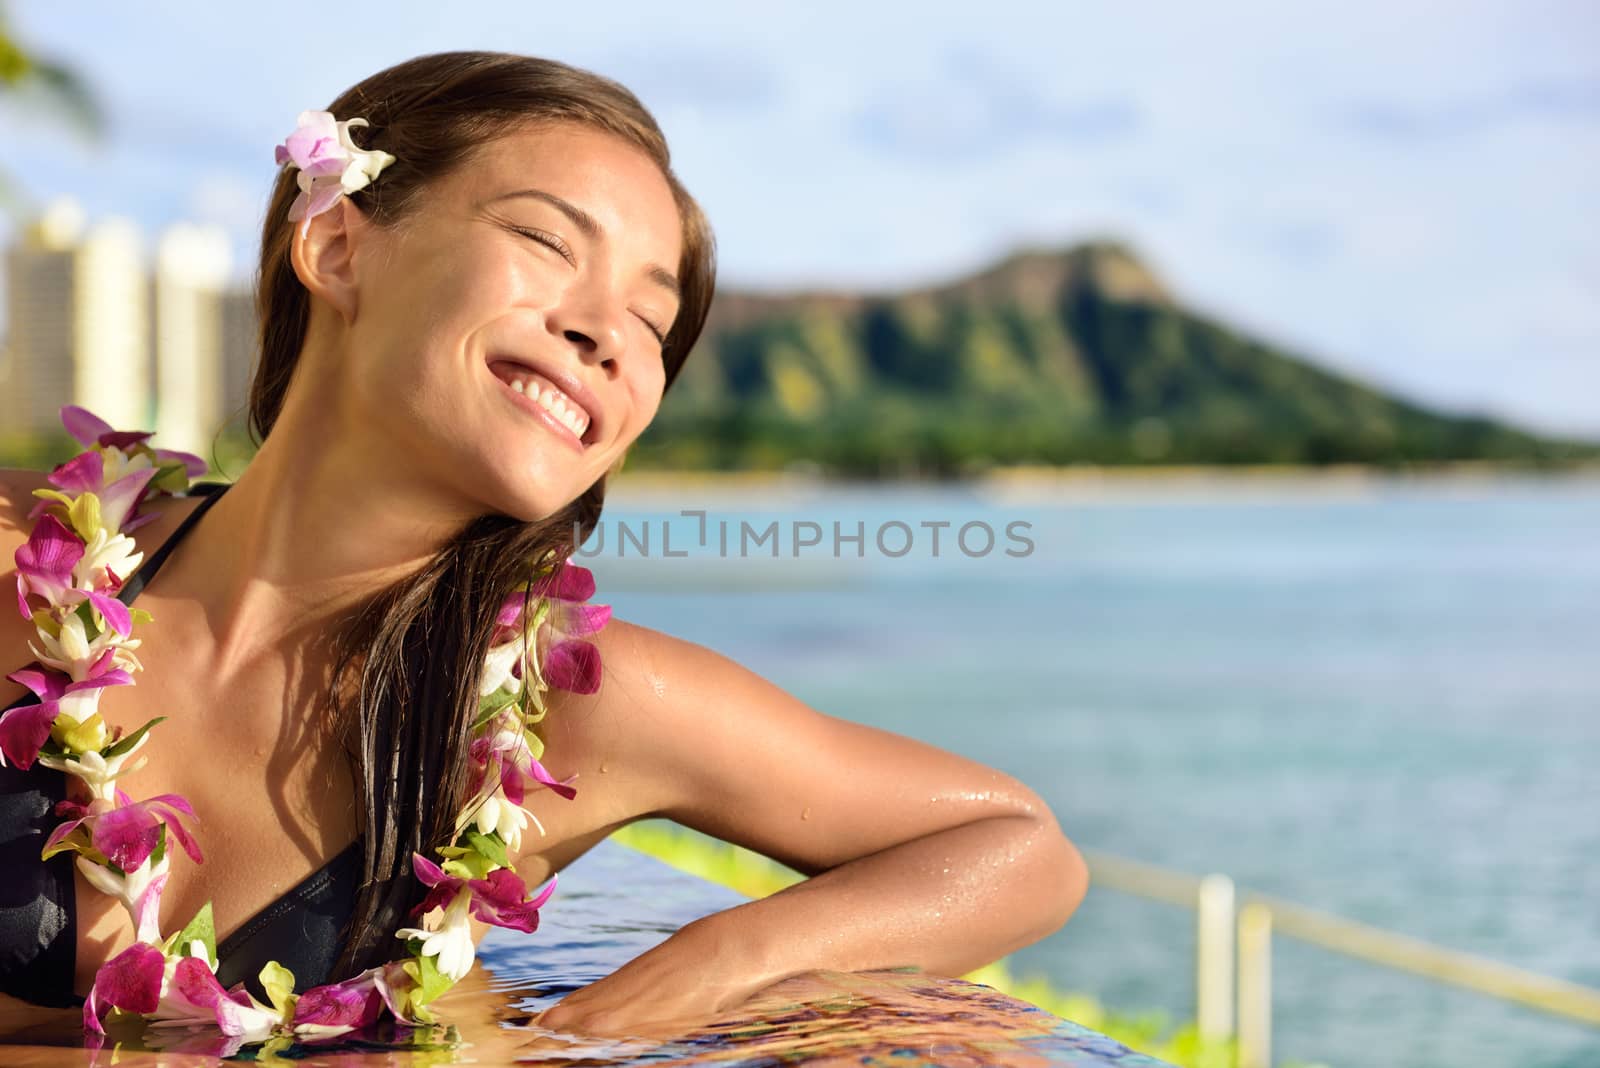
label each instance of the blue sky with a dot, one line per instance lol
(1406, 191)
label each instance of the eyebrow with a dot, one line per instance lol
(592, 228)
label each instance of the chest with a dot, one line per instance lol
(270, 786)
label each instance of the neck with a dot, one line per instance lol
(318, 523)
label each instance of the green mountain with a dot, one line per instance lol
(1051, 356)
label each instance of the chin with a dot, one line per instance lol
(537, 490)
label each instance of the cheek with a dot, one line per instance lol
(645, 394)
(424, 326)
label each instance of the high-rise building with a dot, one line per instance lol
(78, 313)
(191, 274)
(239, 340)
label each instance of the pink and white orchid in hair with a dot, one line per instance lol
(331, 164)
(69, 576)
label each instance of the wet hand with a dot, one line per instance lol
(667, 991)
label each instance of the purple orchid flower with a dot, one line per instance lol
(89, 429)
(353, 1003)
(131, 981)
(45, 565)
(195, 994)
(314, 146)
(126, 832)
(87, 473)
(506, 755)
(565, 661)
(395, 985)
(84, 473)
(501, 899)
(331, 164)
(23, 730)
(119, 499)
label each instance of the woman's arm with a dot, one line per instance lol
(916, 856)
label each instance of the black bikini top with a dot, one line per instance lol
(38, 908)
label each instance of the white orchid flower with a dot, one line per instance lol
(99, 773)
(105, 552)
(117, 464)
(447, 935)
(139, 890)
(497, 665)
(73, 652)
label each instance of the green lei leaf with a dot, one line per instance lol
(278, 982)
(534, 698)
(491, 847)
(200, 929)
(130, 740)
(491, 706)
(431, 982)
(267, 1052)
(171, 477)
(535, 744)
(79, 841)
(465, 863)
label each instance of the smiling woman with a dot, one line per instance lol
(454, 357)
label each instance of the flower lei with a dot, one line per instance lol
(68, 575)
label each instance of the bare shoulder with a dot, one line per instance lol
(692, 735)
(16, 501)
(613, 730)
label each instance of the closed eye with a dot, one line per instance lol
(550, 240)
(661, 335)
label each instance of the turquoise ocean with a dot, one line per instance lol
(1378, 697)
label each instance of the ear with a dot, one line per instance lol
(323, 256)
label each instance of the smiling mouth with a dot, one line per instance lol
(542, 397)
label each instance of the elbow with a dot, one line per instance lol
(1069, 884)
(1069, 880)
(1074, 880)
(1063, 874)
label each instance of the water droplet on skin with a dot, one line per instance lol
(806, 814)
(602, 767)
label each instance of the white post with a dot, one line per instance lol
(1255, 986)
(1214, 959)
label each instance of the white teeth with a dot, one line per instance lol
(572, 418)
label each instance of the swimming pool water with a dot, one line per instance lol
(611, 905)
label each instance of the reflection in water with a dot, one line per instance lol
(609, 907)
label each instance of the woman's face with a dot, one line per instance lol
(550, 260)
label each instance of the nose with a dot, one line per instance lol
(594, 322)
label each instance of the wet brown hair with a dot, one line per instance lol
(407, 664)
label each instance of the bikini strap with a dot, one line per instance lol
(213, 492)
